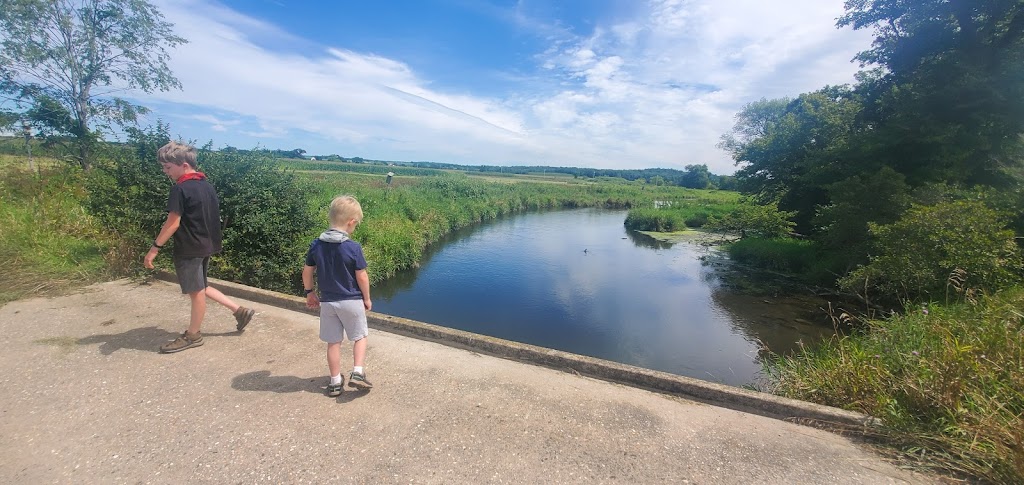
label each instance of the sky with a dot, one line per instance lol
(585, 83)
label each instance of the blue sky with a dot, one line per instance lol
(587, 83)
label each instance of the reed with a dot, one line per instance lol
(946, 380)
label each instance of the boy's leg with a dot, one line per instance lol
(242, 314)
(334, 365)
(221, 298)
(198, 311)
(192, 279)
(359, 352)
(353, 319)
(331, 332)
(334, 358)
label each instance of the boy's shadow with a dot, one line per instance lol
(146, 339)
(261, 380)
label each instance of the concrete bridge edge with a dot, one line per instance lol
(745, 400)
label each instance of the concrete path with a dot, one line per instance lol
(87, 399)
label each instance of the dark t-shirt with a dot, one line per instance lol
(336, 266)
(199, 233)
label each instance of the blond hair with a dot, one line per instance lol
(177, 153)
(343, 209)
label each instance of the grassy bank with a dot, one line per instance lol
(48, 243)
(946, 380)
(679, 211)
(804, 259)
(413, 212)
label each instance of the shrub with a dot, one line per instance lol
(880, 198)
(749, 219)
(913, 258)
(659, 220)
(265, 217)
(264, 211)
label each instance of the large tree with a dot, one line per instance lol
(946, 98)
(64, 63)
(941, 102)
(790, 149)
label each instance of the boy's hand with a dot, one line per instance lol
(367, 304)
(312, 302)
(150, 256)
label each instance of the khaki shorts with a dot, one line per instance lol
(339, 319)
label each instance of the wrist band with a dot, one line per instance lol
(155, 245)
(308, 291)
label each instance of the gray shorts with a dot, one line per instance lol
(341, 318)
(192, 273)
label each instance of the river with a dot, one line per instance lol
(578, 281)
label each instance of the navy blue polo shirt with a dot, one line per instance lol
(336, 266)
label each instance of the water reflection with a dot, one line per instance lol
(578, 281)
(404, 280)
(645, 241)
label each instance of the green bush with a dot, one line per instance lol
(265, 217)
(931, 249)
(264, 210)
(127, 192)
(880, 198)
(659, 220)
(753, 220)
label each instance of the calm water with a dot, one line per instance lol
(578, 281)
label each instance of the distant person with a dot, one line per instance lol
(193, 220)
(340, 269)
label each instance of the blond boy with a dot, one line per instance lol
(340, 269)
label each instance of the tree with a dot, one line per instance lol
(264, 208)
(789, 149)
(696, 177)
(8, 120)
(749, 219)
(64, 61)
(946, 100)
(854, 203)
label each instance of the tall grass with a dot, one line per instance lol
(787, 255)
(689, 209)
(47, 240)
(946, 380)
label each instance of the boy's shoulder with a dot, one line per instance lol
(318, 242)
(194, 185)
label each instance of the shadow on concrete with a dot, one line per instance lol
(146, 339)
(261, 380)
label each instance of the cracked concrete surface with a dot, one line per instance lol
(87, 399)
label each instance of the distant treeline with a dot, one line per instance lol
(693, 176)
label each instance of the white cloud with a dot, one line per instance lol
(656, 89)
(676, 76)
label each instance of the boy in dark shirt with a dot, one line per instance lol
(193, 219)
(340, 269)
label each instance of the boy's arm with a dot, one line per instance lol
(312, 302)
(170, 225)
(363, 280)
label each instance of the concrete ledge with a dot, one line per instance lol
(708, 392)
